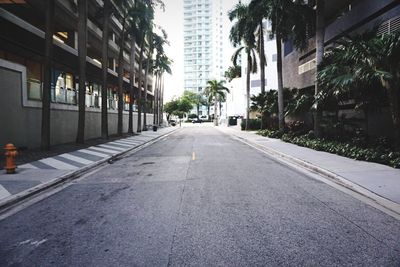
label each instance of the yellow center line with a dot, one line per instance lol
(193, 156)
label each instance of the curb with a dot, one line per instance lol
(9, 202)
(333, 177)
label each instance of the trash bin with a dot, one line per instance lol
(232, 121)
(155, 128)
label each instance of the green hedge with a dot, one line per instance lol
(254, 124)
(346, 149)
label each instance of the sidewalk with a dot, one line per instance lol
(41, 174)
(381, 180)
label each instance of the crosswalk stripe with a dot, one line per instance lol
(93, 153)
(112, 147)
(129, 142)
(121, 144)
(104, 150)
(76, 159)
(3, 192)
(27, 166)
(58, 164)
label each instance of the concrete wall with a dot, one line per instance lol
(20, 119)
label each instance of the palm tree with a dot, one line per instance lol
(362, 61)
(290, 20)
(320, 45)
(82, 51)
(163, 65)
(157, 68)
(251, 68)
(259, 104)
(145, 23)
(104, 59)
(45, 133)
(214, 90)
(256, 11)
(242, 32)
(125, 13)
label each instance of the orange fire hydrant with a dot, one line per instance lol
(11, 153)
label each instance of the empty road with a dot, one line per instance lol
(200, 198)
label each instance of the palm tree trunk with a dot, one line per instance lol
(155, 109)
(220, 109)
(104, 68)
(48, 62)
(262, 58)
(121, 79)
(320, 45)
(215, 111)
(394, 98)
(132, 82)
(280, 83)
(82, 51)
(145, 93)
(248, 91)
(139, 96)
(162, 100)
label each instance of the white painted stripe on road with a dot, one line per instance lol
(98, 154)
(121, 144)
(129, 142)
(58, 164)
(103, 150)
(76, 159)
(3, 192)
(112, 147)
(27, 166)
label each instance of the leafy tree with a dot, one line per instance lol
(214, 90)
(233, 72)
(197, 99)
(178, 107)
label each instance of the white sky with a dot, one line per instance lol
(172, 22)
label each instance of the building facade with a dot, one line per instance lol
(341, 17)
(203, 44)
(22, 46)
(344, 17)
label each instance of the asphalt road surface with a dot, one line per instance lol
(199, 198)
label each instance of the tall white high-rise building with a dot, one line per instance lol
(203, 44)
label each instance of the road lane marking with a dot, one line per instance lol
(193, 156)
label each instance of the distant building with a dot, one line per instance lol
(203, 44)
(22, 48)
